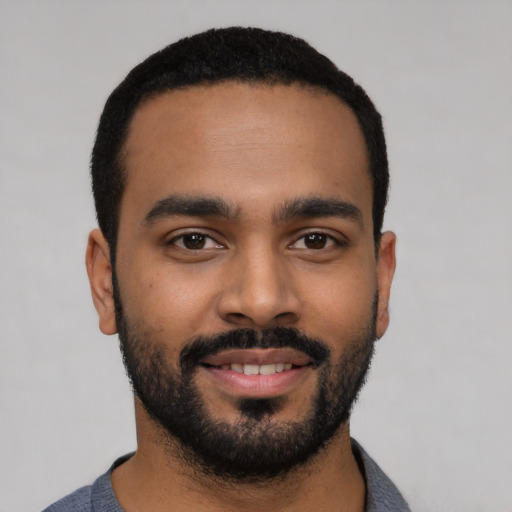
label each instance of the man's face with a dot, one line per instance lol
(248, 210)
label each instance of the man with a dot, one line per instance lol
(240, 182)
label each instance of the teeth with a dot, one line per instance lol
(255, 369)
(267, 369)
(251, 369)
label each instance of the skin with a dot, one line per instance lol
(255, 147)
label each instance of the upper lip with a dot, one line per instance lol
(259, 356)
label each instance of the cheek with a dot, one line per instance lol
(340, 306)
(171, 303)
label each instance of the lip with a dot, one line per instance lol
(258, 356)
(257, 386)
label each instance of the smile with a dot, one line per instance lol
(269, 359)
(255, 369)
(257, 373)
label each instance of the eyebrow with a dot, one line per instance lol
(175, 205)
(191, 206)
(318, 207)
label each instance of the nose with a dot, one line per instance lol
(260, 293)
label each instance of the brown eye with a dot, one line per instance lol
(194, 241)
(315, 241)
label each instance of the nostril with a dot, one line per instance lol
(286, 317)
(238, 319)
(286, 314)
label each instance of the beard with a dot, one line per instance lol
(255, 447)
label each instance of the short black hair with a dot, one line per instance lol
(249, 55)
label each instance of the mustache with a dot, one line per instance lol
(278, 337)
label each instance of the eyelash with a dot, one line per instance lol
(182, 236)
(329, 240)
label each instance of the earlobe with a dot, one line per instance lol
(385, 270)
(99, 270)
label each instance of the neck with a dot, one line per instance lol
(157, 476)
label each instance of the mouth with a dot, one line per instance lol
(257, 373)
(256, 369)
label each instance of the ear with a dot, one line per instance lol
(385, 270)
(99, 270)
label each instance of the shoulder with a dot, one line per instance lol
(382, 495)
(80, 500)
(98, 497)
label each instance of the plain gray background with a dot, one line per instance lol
(436, 412)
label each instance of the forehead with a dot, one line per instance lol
(247, 141)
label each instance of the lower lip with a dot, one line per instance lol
(257, 386)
